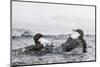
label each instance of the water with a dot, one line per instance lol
(25, 59)
(55, 57)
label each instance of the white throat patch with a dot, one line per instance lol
(44, 41)
(75, 35)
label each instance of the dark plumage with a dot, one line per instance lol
(70, 44)
(82, 39)
(38, 46)
(37, 37)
